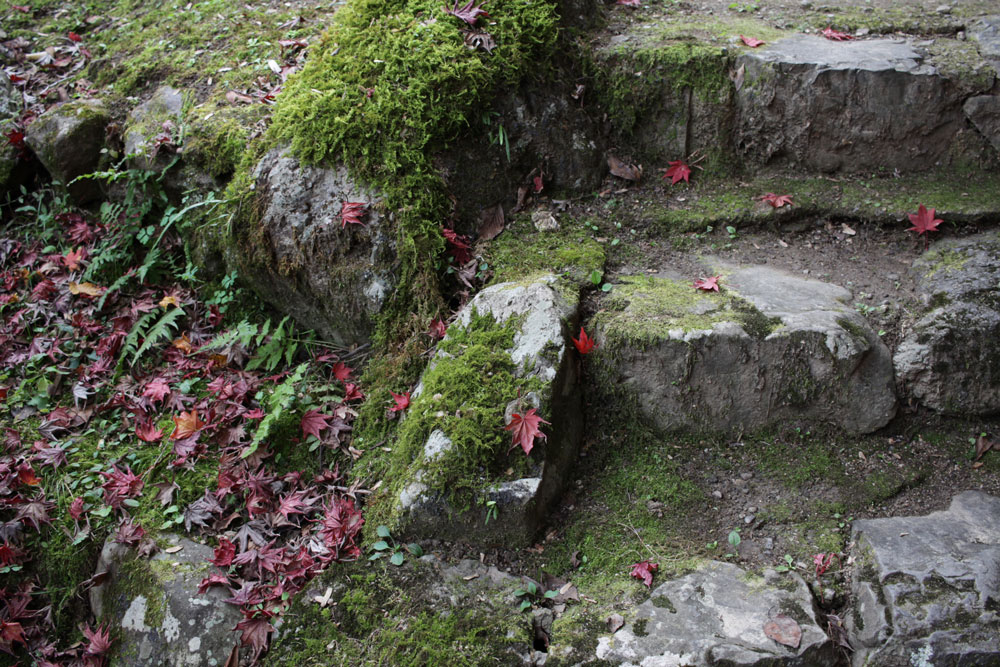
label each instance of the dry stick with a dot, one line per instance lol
(641, 541)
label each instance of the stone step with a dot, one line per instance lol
(898, 103)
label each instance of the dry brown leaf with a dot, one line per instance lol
(738, 77)
(173, 550)
(784, 630)
(491, 222)
(629, 172)
(615, 622)
(89, 289)
(982, 446)
(234, 657)
(233, 97)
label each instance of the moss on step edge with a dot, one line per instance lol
(465, 391)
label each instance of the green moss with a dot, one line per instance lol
(947, 260)
(521, 252)
(645, 309)
(217, 134)
(386, 617)
(629, 82)
(138, 577)
(464, 394)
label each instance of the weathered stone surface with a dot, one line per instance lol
(950, 359)
(10, 99)
(986, 32)
(298, 258)
(10, 103)
(544, 318)
(154, 609)
(771, 348)
(851, 106)
(927, 588)
(159, 116)
(68, 140)
(984, 112)
(716, 616)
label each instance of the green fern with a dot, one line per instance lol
(161, 330)
(243, 334)
(280, 400)
(279, 346)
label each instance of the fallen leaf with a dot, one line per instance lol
(186, 424)
(491, 222)
(834, 35)
(622, 170)
(846, 229)
(982, 446)
(776, 201)
(525, 429)
(233, 97)
(644, 570)
(469, 12)
(710, 284)
(615, 622)
(924, 221)
(174, 549)
(402, 401)
(86, 289)
(584, 344)
(751, 42)
(678, 171)
(784, 630)
(351, 212)
(738, 77)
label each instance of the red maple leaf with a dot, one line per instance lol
(351, 212)
(26, 475)
(342, 371)
(73, 37)
(72, 259)
(76, 509)
(15, 138)
(438, 329)
(157, 389)
(751, 42)
(254, 632)
(402, 401)
(469, 12)
(776, 201)
(223, 556)
(121, 485)
(98, 641)
(458, 245)
(214, 579)
(834, 35)
(644, 570)
(10, 633)
(584, 344)
(538, 182)
(629, 3)
(352, 393)
(924, 221)
(525, 428)
(313, 423)
(148, 432)
(708, 284)
(678, 171)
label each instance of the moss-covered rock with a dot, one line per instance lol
(68, 140)
(455, 473)
(770, 348)
(155, 612)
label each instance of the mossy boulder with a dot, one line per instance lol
(68, 141)
(770, 348)
(153, 127)
(824, 105)
(155, 612)
(950, 360)
(456, 474)
(297, 255)
(926, 588)
(717, 616)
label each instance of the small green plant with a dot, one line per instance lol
(499, 135)
(491, 510)
(734, 540)
(530, 595)
(787, 566)
(731, 231)
(389, 547)
(842, 521)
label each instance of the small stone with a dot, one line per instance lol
(739, 483)
(717, 495)
(943, 9)
(752, 509)
(749, 518)
(806, 4)
(861, 32)
(746, 475)
(828, 595)
(544, 221)
(768, 544)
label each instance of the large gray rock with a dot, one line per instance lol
(950, 359)
(984, 112)
(852, 106)
(447, 457)
(67, 140)
(154, 609)
(716, 616)
(295, 254)
(986, 33)
(771, 348)
(927, 589)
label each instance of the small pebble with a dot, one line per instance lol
(752, 509)
(746, 475)
(749, 518)
(768, 544)
(717, 495)
(943, 9)
(806, 4)
(861, 32)
(739, 483)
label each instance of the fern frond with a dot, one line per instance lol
(131, 344)
(242, 333)
(280, 400)
(159, 332)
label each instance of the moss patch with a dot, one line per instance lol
(521, 251)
